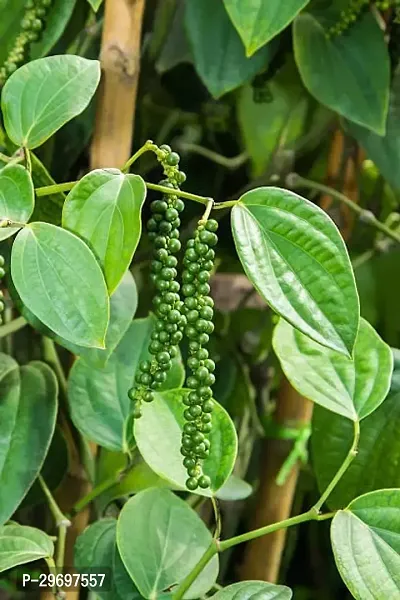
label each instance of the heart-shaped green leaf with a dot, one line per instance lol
(160, 539)
(352, 388)
(378, 451)
(258, 21)
(43, 95)
(295, 257)
(104, 209)
(218, 52)
(28, 395)
(254, 590)
(384, 150)
(366, 544)
(58, 278)
(158, 436)
(98, 397)
(330, 65)
(96, 549)
(16, 197)
(20, 545)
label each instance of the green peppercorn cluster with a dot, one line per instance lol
(2, 273)
(198, 311)
(348, 17)
(163, 230)
(31, 28)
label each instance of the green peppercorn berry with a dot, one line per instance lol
(149, 397)
(189, 428)
(176, 337)
(188, 462)
(206, 427)
(206, 418)
(132, 393)
(198, 437)
(188, 289)
(165, 147)
(203, 276)
(204, 481)
(208, 406)
(173, 159)
(200, 448)
(203, 289)
(195, 410)
(192, 382)
(192, 484)
(160, 376)
(209, 364)
(187, 442)
(202, 354)
(212, 225)
(136, 410)
(188, 415)
(171, 214)
(207, 313)
(159, 206)
(205, 392)
(146, 379)
(194, 346)
(174, 245)
(192, 363)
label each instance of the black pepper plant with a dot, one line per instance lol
(144, 400)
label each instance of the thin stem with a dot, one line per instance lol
(211, 551)
(97, 491)
(217, 515)
(208, 210)
(343, 468)
(12, 326)
(227, 204)
(48, 190)
(166, 190)
(294, 181)
(148, 146)
(51, 356)
(61, 520)
(5, 158)
(9, 223)
(228, 162)
(28, 159)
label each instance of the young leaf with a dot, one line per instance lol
(44, 94)
(16, 197)
(384, 150)
(352, 388)
(366, 544)
(28, 396)
(58, 278)
(342, 71)
(104, 209)
(295, 257)
(96, 549)
(378, 451)
(98, 397)
(253, 590)
(20, 545)
(158, 436)
(160, 539)
(57, 19)
(257, 21)
(218, 53)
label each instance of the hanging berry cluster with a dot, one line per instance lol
(163, 230)
(198, 311)
(31, 27)
(349, 15)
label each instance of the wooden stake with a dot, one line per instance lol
(120, 61)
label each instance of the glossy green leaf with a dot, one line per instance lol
(366, 544)
(268, 127)
(295, 257)
(258, 21)
(140, 477)
(20, 545)
(48, 208)
(16, 197)
(58, 278)
(96, 549)
(343, 72)
(234, 488)
(104, 209)
(57, 20)
(351, 388)
(378, 451)
(253, 590)
(44, 94)
(123, 305)
(160, 539)
(218, 52)
(98, 397)
(158, 436)
(27, 396)
(384, 150)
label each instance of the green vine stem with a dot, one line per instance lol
(313, 514)
(293, 180)
(51, 356)
(12, 326)
(232, 163)
(341, 471)
(61, 520)
(48, 190)
(148, 146)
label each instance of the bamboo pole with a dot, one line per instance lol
(120, 62)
